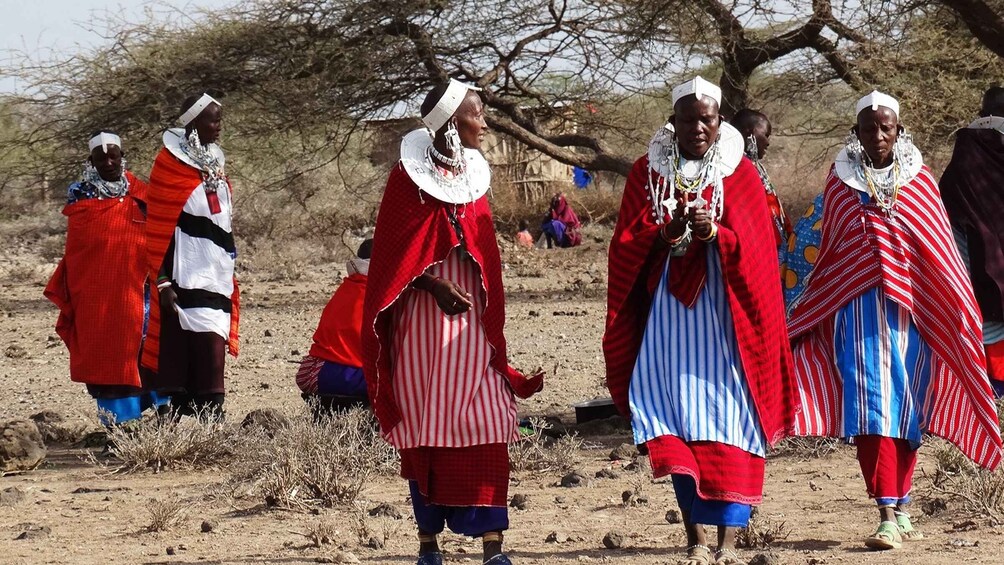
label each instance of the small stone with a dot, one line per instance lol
(344, 557)
(574, 479)
(959, 542)
(268, 333)
(534, 314)
(268, 420)
(607, 474)
(11, 496)
(934, 506)
(814, 487)
(815, 561)
(613, 540)
(385, 510)
(765, 559)
(295, 353)
(33, 531)
(556, 537)
(673, 516)
(966, 526)
(171, 550)
(208, 526)
(518, 501)
(375, 543)
(560, 500)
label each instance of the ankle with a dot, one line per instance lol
(491, 544)
(427, 543)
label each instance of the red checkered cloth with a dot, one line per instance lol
(98, 287)
(914, 260)
(413, 231)
(721, 472)
(747, 246)
(459, 476)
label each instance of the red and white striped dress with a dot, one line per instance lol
(448, 394)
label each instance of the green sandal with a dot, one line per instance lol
(887, 536)
(906, 529)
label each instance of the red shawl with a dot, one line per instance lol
(98, 287)
(563, 212)
(337, 336)
(171, 183)
(746, 242)
(412, 233)
(913, 258)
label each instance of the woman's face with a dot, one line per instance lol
(878, 130)
(209, 124)
(108, 164)
(470, 120)
(696, 122)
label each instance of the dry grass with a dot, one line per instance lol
(806, 447)
(972, 490)
(326, 462)
(538, 452)
(762, 531)
(159, 443)
(165, 514)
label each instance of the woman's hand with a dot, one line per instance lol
(168, 298)
(678, 225)
(700, 219)
(452, 299)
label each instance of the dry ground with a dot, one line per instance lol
(555, 318)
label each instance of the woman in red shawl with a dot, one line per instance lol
(695, 343)
(100, 285)
(561, 226)
(434, 352)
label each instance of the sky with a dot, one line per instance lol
(46, 29)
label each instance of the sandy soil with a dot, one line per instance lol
(555, 318)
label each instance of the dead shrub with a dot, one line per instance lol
(968, 487)
(165, 514)
(539, 452)
(165, 442)
(807, 447)
(325, 460)
(762, 531)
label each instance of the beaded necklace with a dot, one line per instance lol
(709, 172)
(213, 176)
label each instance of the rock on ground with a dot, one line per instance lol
(21, 446)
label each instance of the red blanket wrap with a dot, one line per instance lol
(337, 336)
(747, 245)
(98, 287)
(171, 183)
(413, 232)
(913, 258)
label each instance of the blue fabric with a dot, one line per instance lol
(885, 367)
(800, 253)
(471, 521)
(581, 177)
(340, 380)
(892, 501)
(708, 512)
(80, 191)
(688, 380)
(126, 408)
(554, 230)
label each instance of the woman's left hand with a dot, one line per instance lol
(700, 220)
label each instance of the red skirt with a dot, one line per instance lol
(459, 476)
(995, 360)
(721, 472)
(887, 465)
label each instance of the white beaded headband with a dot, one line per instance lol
(699, 88)
(103, 140)
(447, 105)
(201, 104)
(876, 99)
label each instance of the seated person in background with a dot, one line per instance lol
(332, 372)
(524, 238)
(561, 225)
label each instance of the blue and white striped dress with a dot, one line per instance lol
(885, 366)
(688, 381)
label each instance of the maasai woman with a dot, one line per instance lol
(973, 197)
(100, 284)
(756, 129)
(331, 374)
(561, 226)
(695, 343)
(887, 332)
(434, 351)
(191, 256)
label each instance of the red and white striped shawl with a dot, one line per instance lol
(915, 261)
